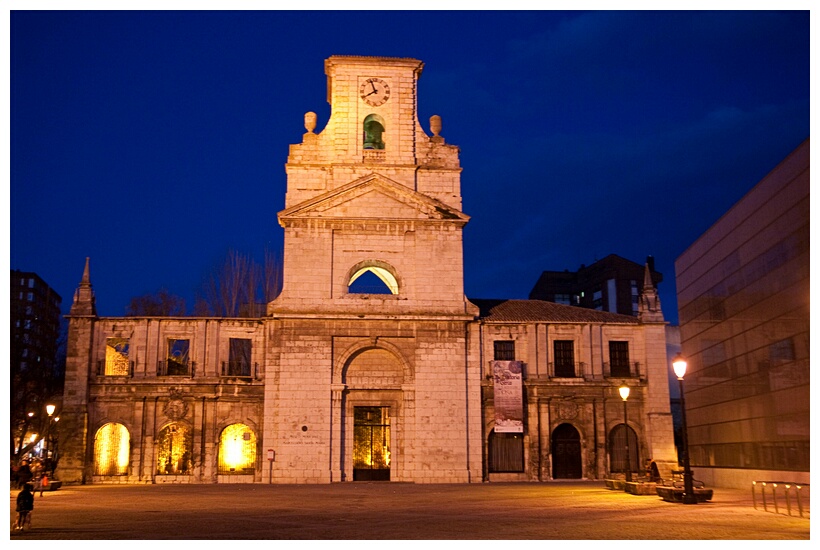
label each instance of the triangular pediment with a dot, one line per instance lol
(373, 197)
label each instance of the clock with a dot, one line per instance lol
(374, 91)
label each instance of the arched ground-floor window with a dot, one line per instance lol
(617, 449)
(237, 450)
(112, 448)
(174, 450)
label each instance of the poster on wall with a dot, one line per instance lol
(507, 397)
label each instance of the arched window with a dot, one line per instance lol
(373, 132)
(237, 450)
(174, 450)
(112, 447)
(617, 449)
(372, 278)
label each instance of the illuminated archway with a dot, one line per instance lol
(237, 450)
(174, 450)
(112, 447)
(383, 271)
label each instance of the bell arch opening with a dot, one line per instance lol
(372, 277)
(373, 134)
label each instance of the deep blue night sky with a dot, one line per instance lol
(153, 142)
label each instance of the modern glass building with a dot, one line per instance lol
(743, 298)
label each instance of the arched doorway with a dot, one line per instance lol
(617, 449)
(371, 413)
(566, 452)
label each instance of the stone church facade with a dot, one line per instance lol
(339, 382)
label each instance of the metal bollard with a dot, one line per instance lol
(799, 505)
(763, 494)
(774, 497)
(754, 497)
(788, 500)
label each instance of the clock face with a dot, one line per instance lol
(374, 91)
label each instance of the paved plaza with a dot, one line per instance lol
(396, 511)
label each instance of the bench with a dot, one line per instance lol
(671, 490)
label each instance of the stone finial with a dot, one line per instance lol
(649, 304)
(84, 300)
(86, 279)
(435, 125)
(310, 121)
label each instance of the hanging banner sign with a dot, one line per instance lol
(508, 399)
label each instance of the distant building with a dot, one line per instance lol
(35, 321)
(743, 297)
(612, 284)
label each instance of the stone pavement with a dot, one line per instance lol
(396, 511)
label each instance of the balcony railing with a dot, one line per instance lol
(115, 369)
(173, 368)
(567, 370)
(623, 370)
(239, 369)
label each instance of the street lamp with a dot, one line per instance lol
(50, 410)
(679, 365)
(624, 391)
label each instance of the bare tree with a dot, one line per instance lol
(33, 387)
(235, 287)
(160, 304)
(272, 277)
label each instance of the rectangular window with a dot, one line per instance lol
(31, 283)
(564, 358)
(116, 357)
(239, 357)
(597, 300)
(30, 297)
(177, 361)
(612, 296)
(562, 299)
(506, 452)
(781, 352)
(618, 358)
(504, 350)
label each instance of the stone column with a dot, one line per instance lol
(408, 432)
(337, 448)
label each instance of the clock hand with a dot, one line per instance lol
(374, 87)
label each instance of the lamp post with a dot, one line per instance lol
(55, 453)
(679, 365)
(624, 391)
(50, 410)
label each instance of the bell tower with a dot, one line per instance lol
(372, 196)
(372, 192)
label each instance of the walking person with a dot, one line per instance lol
(44, 482)
(25, 505)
